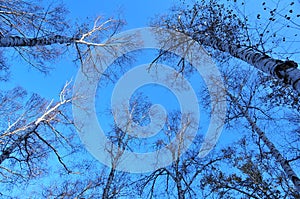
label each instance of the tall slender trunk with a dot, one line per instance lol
(108, 184)
(12, 41)
(286, 71)
(273, 150)
(180, 191)
(178, 176)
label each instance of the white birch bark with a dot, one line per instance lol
(275, 153)
(16, 41)
(286, 71)
(31, 128)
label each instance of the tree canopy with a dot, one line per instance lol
(255, 48)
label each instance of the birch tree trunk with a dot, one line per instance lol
(273, 150)
(16, 41)
(108, 184)
(178, 178)
(286, 71)
(214, 25)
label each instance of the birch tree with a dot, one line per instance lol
(33, 128)
(29, 134)
(251, 172)
(227, 35)
(219, 27)
(33, 28)
(262, 121)
(276, 154)
(244, 112)
(105, 181)
(23, 19)
(181, 178)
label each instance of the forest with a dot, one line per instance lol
(200, 102)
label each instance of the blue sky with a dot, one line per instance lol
(136, 13)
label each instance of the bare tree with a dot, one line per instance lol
(250, 109)
(181, 178)
(31, 29)
(104, 181)
(214, 25)
(276, 154)
(30, 133)
(32, 129)
(221, 29)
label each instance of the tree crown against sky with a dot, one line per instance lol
(262, 109)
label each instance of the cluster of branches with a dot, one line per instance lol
(259, 167)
